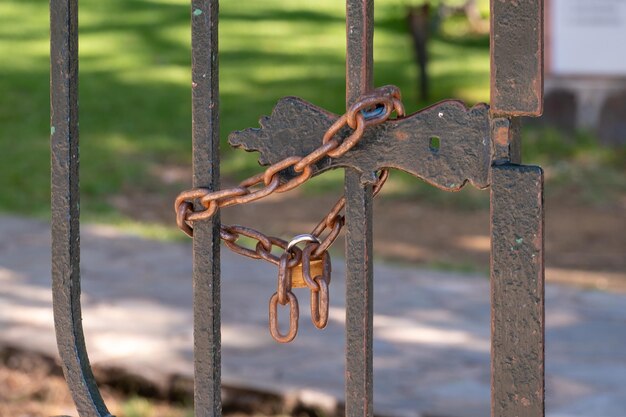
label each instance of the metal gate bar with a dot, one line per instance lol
(359, 221)
(206, 241)
(516, 213)
(517, 281)
(65, 210)
(517, 356)
(516, 50)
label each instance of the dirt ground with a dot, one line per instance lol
(32, 385)
(33, 392)
(585, 244)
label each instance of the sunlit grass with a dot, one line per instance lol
(135, 84)
(576, 165)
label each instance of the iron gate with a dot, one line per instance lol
(479, 145)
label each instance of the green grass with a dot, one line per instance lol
(135, 89)
(135, 85)
(577, 166)
(136, 406)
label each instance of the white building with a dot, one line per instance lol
(586, 66)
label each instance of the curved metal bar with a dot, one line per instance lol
(65, 208)
(70, 339)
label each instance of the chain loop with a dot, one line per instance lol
(182, 211)
(285, 164)
(284, 279)
(320, 303)
(350, 141)
(365, 112)
(308, 254)
(201, 203)
(211, 198)
(317, 154)
(294, 315)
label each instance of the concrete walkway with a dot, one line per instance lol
(431, 328)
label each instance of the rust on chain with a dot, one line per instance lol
(307, 259)
(310, 266)
(317, 281)
(294, 315)
(319, 303)
(261, 185)
(284, 279)
(263, 247)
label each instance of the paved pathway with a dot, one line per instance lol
(431, 328)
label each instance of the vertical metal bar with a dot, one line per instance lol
(359, 297)
(206, 244)
(65, 208)
(517, 282)
(359, 279)
(517, 292)
(517, 57)
(360, 48)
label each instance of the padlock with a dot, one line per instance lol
(297, 278)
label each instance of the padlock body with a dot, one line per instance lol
(297, 279)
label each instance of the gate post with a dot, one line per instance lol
(517, 275)
(517, 291)
(359, 221)
(517, 217)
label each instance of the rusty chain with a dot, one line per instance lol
(201, 203)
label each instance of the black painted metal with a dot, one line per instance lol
(464, 134)
(359, 223)
(206, 242)
(359, 297)
(359, 48)
(517, 282)
(517, 291)
(517, 57)
(476, 145)
(506, 140)
(65, 208)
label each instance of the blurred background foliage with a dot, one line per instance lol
(135, 94)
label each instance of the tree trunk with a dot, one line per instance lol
(418, 18)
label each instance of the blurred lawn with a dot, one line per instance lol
(135, 85)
